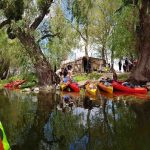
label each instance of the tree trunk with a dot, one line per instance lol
(103, 52)
(4, 68)
(141, 73)
(43, 69)
(86, 49)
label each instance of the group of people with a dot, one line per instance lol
(127, 65)
(65, 74)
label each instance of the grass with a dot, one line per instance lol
(90, 76)
(123, 76)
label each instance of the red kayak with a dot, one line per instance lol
(119, 87)
(14, 84)
(70, 87)
(74, 87)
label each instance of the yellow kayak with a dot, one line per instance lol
(90, 90)
(106, 88)
(63, 86)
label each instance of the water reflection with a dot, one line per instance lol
(47, 121)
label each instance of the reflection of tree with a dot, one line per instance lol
(115, 126)
(35, 137)
(23, 119)
(66, 128)
(16, 114)
(142, 134)
(119, 124)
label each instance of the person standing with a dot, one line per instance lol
(127, 64)
(120, 65)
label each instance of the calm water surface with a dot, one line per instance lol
(45, 122)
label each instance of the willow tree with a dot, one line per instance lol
(12, 56)
(21, 18)
(60, 46)
(123, 37)
(141, 73)
(102, 24)
(81, 20)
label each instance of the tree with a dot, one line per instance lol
(18, 18)
(141, 73)
(102, 24)
(81, 13)
(122, 40)
(12, 55)
(60, 46)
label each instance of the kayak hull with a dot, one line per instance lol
(14, 84)
(72, 85)
(119, 87)
(108, 89)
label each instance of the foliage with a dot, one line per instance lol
(123, 76)
(80, 10)
(67, 128)
(102, 24)
(123, 37)
(61, 44)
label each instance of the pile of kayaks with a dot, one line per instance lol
(113, 86)
(106, 86)
(91, 88)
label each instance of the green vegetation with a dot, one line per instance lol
(36, 36)
(31, 80)
(123, 76)
(90, 76)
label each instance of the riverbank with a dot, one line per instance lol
(30, 83)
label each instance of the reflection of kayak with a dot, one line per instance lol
(70, 86)
(63, 86)
(141, 96)
(92, 97)
(105, 88)
(92, 91)
(14, 84)
(119, 87)
(106, 94)
(73, 94)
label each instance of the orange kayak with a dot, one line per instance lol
(106, 88)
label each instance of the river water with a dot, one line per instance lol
(45, 122)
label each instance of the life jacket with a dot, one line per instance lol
(3, 139)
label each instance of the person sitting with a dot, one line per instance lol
(128, 84)
(92, 86)
(67, 74)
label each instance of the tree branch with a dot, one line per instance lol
(77, 30)
(42, 14)
(48, 35)
(2, 24)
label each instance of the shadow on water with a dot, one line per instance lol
(76, 122)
